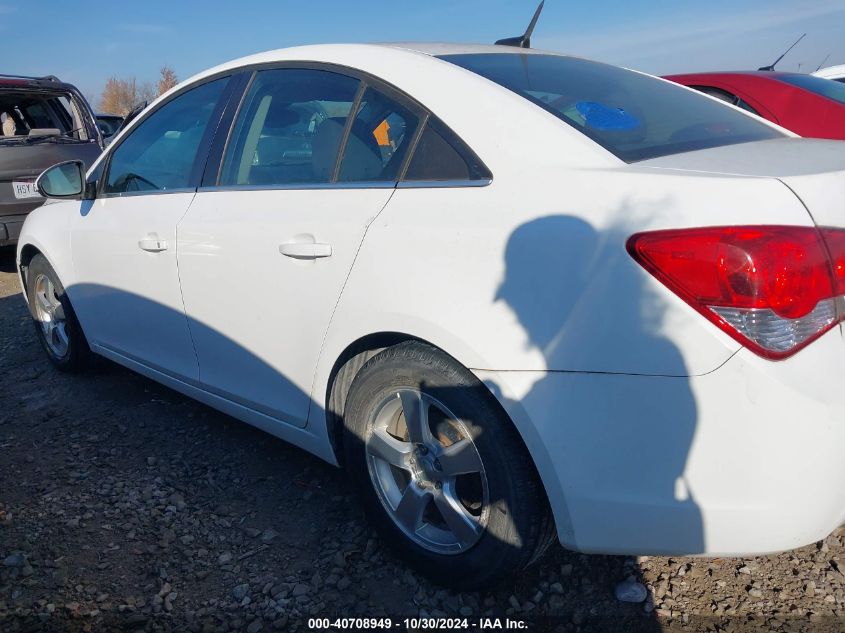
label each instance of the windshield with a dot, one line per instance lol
(634, 116)
(824, 87)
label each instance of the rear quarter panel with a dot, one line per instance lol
(530, 274)
(533, 274)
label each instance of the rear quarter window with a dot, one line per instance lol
(817, 85)
(632, 115)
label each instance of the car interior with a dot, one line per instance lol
(34, 114)
(298, 141)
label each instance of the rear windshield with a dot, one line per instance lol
(28, 115)
(824, 87)
(633, 116)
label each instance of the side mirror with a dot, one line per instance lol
(62, 181)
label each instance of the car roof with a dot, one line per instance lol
(335, 52)
(446, 48)
(48, 81)
(765, 74)
(831, 71)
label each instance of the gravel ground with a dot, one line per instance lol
(125, 506)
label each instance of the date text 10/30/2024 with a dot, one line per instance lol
(434, 624)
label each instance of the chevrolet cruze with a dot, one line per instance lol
(518, 295)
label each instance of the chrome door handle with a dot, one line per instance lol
(152, 245)
(305, 250)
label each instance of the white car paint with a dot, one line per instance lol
(107, 255)
(837, 73)
(652, 430)
(275, 324)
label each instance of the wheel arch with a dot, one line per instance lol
(27, 252)
(356, 354)
(343, 372)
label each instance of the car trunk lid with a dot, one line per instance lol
(813, 169)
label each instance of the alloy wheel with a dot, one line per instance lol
(427, 472)
(51, 316)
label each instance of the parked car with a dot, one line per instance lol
(807, 105)
(518, 295)
(109, 124)
(836, 73)
(43, 121)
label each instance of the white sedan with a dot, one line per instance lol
(836, 73)
(518, 295)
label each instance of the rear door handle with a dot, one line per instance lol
(152, 245)
(305, 250)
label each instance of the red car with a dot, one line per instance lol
(807, 105)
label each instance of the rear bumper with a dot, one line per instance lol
(747, 459)
(10, 228)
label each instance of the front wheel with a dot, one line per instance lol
(442, 472)
(56, 326)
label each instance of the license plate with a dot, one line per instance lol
(25, 189)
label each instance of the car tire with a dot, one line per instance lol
(55, 321)
(463, 503)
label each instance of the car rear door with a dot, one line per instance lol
(264, 250)
(127, 294)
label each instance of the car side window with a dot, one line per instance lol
(727, 97)
(289, 128)
(379, 139)
(159, 154)
(746, 106)
(440, 156)
(436, 159)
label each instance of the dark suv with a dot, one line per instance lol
(43, 121)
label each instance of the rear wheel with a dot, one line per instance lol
(55, 322)
(442, 472)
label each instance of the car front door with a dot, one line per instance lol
(127, 295)
(264, 251)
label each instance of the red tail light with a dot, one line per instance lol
(774, 289)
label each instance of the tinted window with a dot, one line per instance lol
(159, 154)
(109, 125)
(37, 116)
(824, 87)
(633, 116)
(378, 139)
(746, 106)
(727, 97)
(289, 128)
(436, 159)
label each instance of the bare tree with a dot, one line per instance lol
(118, 96)
(146, 92)
(121, 95)
(167, 80)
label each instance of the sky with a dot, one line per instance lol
(85, 43)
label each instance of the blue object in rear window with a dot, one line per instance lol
(632, 115)
(601, 117)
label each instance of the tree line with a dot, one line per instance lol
(120, 96)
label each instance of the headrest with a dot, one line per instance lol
(324, 148)
(281, 116)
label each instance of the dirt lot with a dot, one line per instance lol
(125, 506)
